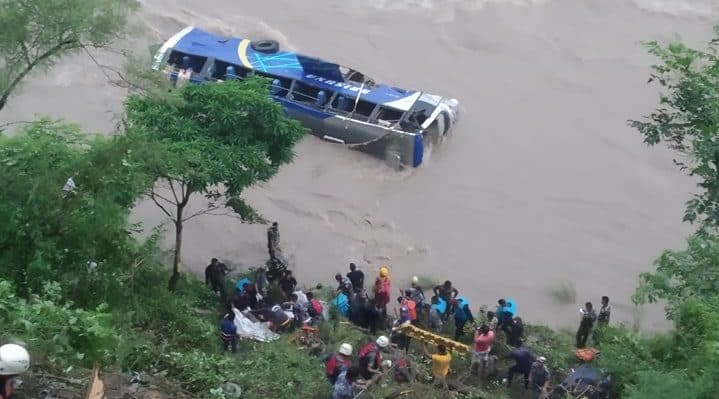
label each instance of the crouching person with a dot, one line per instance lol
(348, 385)
(370, 358)
(338, 362)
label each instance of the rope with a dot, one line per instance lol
(368, 141)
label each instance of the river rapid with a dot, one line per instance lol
(542, 182)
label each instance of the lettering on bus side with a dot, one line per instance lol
(336, 83)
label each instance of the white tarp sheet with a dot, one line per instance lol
(248, 329)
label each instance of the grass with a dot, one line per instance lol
(189, 356)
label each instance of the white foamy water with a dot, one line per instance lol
(541, 182)
(703, 8)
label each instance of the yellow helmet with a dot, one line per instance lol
(415, 280)
(383, 271)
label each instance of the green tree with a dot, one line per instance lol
(693, 272)
(682, 362)
(687, 119)
(50, 234)
(36, 34)
(213, 139)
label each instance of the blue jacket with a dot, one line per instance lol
(462, 311)
(228, 328)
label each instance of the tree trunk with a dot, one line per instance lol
(175, 279)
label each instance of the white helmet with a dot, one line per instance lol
(382, 341)
(14, 359)
(346, 349)
(415, 280)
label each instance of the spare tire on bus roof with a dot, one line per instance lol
(266, 46)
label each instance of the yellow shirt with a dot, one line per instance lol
(440, 364)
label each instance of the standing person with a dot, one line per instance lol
(435, 315)
(273, 240)
(447, 293)
(440, 364)
(604, 312)
(14, 360)
(516, 332)
(462, 315)
(344, 285)
(228, 331)
(505, 313)
(370, 357)
(288, 282)
(602, 319)
(540, 378)
(483, 339)
(261, 282)
(356, 278)
(416, 292)
(347, 386)
(215, 276)
(406, 301)
(523, 359)
(372, 316)
(338, 362)
(397, 337)
(493, 320)
(589, 316)
(382, 290)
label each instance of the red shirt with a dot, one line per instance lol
(382, 290)
(483, 342)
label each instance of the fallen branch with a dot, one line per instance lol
(397, 394)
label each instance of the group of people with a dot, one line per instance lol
(368, 310)
(250, 312)
(447, 302)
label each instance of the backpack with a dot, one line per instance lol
(586, 354)
(315, 308)
(370, 347)
(333, 368)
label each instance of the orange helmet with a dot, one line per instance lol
(383, 271)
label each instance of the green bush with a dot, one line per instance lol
(56, 330)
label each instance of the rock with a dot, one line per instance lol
(231, 390)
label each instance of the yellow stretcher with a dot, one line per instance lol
(426, 336)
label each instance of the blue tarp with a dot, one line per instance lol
(441, 305)
(240, 286)
(511, 306)
(461, 301)
(510, 310)
(342, 304)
